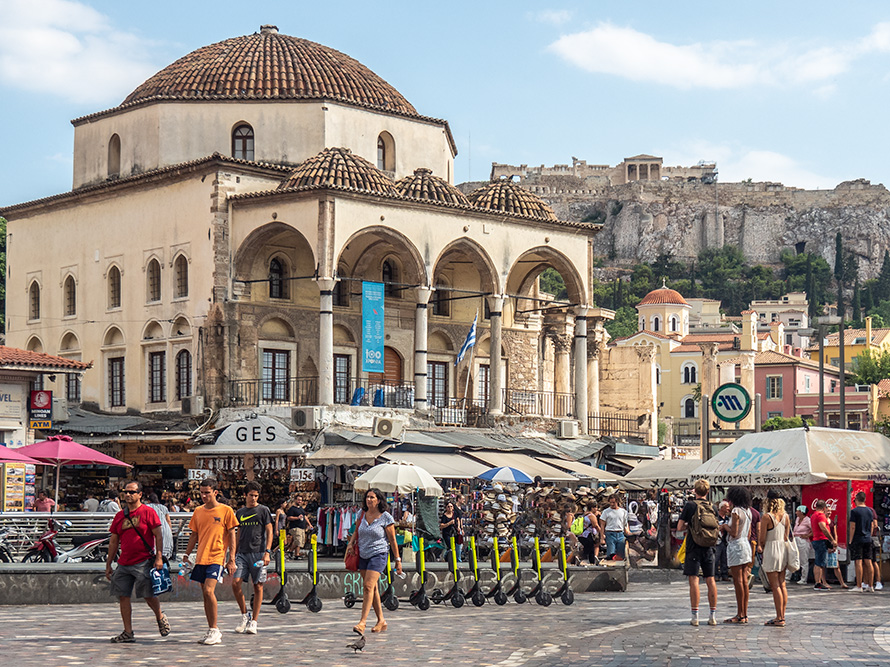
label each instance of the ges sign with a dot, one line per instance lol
(257, 432)
(253, 433)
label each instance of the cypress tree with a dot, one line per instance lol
(856, 306)
(883, 284)
(810, 287)
(839, 272)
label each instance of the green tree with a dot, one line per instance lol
(781, 423)
(624, 324)
(856, 304)
(882, 286)
(839, 273)
(552, 283)
(871, 367)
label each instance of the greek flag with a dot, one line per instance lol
(468, 343)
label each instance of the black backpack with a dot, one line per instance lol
(703, 527)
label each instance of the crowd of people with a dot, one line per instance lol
(731, 541)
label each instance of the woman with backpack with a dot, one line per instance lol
(738, 549)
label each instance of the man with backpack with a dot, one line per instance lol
(700, 521)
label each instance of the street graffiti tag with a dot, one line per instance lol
(753, 460)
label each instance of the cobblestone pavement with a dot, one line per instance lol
(647, 625)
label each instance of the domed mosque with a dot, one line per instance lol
(228, 219)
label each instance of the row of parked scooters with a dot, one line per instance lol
(498, 592)
(46, 549)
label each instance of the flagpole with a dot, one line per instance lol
(470, 366)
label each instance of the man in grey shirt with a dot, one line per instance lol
(254, 547)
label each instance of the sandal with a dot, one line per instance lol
(735, 619)
(359, 629)
(163, 625)
(778, 622)
(380, 627)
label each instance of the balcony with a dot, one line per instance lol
(616, 425)
(549, 404)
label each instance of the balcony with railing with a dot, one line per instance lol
(550, 404)
(616, 425)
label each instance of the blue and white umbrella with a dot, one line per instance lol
(506, 474)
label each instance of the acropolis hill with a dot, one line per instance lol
(648, 209)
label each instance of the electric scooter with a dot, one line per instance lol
(419, 598)
(454, 593)
(475, 593)
(564, 593)
(387, 598)
(516, 591)
(312, 601)
(282, 604)
(541, 596)
(497, 591)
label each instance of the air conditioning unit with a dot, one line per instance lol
(567, 429)
(391, 429)
(307, 418)
(193, 405)
(60, 409)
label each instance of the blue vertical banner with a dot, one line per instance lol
(372, 327)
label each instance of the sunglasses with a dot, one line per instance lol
(130, 491)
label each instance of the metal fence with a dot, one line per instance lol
(557, 405)
(615, 424)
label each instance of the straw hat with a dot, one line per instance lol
(488, 516)
(497, 486)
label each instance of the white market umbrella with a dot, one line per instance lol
(506, 474)
(398, 477)
(799, 456)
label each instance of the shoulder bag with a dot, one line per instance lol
(792, 555)
(161, 582)
(350, 560)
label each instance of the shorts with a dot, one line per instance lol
(696, 556)
(376, 563)
(244, 565)
(861, 551)
(820, 553)
(831, 559)
(299, 535)
(126, 578)
(202, 573)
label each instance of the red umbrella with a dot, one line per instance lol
(61, 450)
(8, 455)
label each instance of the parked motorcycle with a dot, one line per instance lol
(5, 548)
(92, 548)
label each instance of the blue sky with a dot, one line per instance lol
(785, 91)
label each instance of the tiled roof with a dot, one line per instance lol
(884, 388)
(693, 347)
(877, 337)
(13, 357)
(423, 185)
(268, 65)
(710, 338)
(340, 168)
(508, 197)
(663, 295)
(655, 334)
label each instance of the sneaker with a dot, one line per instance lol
(212, 636)
(245, 620)
(694, 622)
(879, 586)
(712, 620)
(163, 625)
(821, 587)
(124, 638)
(251, 628)
(801, 582)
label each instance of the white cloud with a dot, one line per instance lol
(628, 53)
(739, 163)
(552, 16)
(67, 49)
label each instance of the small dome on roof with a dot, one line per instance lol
(508, 197)
(423, 185)
(340, 168)
(663, 295)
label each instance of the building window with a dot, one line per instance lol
(242, 142)
(72, 388)
(642, 324)
(806, 384)
(276, 370)
(774, 387)
(381, 154)
(157, 377)
(153, 280)
(277, 282)
(389, 273)
(183, 374)
(674, 324)
(770, 415)
(34, 301)
(116, 395)
(441, 301)
(789, 339)
(114, 156)
(689, 409)
(690, 374)
(657, 375)
(70, 297)
(181, 275)
(483, 385)
(114, 287)
(342, 378)
(386, 152)
(437, 383)
(656, 323)
(833, 386)
(341, 289)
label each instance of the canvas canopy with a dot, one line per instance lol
(799, 456)
(660, 474)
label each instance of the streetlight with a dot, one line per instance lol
(822, 322)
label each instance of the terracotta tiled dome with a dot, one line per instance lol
(423, 185)
(508, 197)
(340, 168)
(663, 295)
(267, 65)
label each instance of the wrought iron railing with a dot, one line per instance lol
(293, 391)
(374, 393)
(615, 424)
(459, 411)
(557, 405)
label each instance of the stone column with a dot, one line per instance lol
(562, 370)
(709, 377)
(747, 381)
(326, 342)
(593, 382)
(648, 389)
(495, 390)
(581, 367)
(421, 331)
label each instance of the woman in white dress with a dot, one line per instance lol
(775, 529)
(738, 549)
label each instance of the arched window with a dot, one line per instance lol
(386, 152)
(657, 375)
(690, 374)
(675, 325)
(242, 142)
(656, 323)
(70, 297)
(277, 282)
(114, 287)
(341, 288)
(183, 374)
(389, 274)
(181, 273)
(34, 301)
(642, 324)
(441, 299)
(153, 281)
(114, 156)
(689, 408)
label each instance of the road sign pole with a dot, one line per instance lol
(705, 427)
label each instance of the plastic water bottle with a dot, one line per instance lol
(263, 571)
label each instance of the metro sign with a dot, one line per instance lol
(731, 402)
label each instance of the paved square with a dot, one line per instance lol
(648, 625)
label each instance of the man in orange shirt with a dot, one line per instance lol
(213, 531)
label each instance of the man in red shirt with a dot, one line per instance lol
(822, 541)
(137, 530)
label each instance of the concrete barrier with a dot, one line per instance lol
(81, 583)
